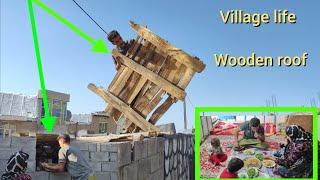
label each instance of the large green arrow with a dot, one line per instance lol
(97, 45)
(48, 121)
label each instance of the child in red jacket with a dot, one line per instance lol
(235, 164)
(216, 154)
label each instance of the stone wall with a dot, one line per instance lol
(179, 157)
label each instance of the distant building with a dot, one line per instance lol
(94, 123)
(20, 114)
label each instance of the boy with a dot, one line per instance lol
(235, 164)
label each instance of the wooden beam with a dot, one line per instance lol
(168, 49)
(161, 110)
(155, 78)
(132, 115)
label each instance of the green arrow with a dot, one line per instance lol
(48, 121)
(97, 45)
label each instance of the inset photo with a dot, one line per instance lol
(267, 145)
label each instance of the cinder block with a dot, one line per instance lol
(152, 146)
(109, 147)
(96, 166)
(103, 176)
(59, 176)
(114, 176)
(154, 163)
(92, 147)
(109, 167)
(143, 168)
(113, 156)
(5, 153)
(160, 144)
(124, 153)
(130, 172)
(161, 160)
(140, 150)
(40, 175)
(83, 146)
(3, 165)
(99, 156)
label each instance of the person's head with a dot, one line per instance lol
(215, 142)
(63, 140)
(235, 164)
(254, 124)
(297, 133)
(115, 38)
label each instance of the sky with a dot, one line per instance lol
(195, 26)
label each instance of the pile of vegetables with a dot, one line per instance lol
(259, 156)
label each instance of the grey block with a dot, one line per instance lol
(130, 172)
(99, 156)
(140, 150)
(83, 146)
(92, 147)
(160, 144)
(154, 163)
(152, 146)
(59, 176)
(103, 176)
(143, 168)
(96, 166)
(39, 175)
(161, 160)
(5, 153)
(109, 147)
(109, 166)
(113, 156)
(124, 153)
(114, 176)
(3, 165)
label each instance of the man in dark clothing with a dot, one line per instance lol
(122, 46)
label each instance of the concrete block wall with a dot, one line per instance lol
(137, 160)
(179, 157)
(10, 145)
(157, 158)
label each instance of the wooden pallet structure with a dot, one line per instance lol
(151, 70)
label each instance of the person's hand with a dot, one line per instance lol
(45, 165)
(270, 157)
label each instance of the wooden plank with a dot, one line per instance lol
(186, 78)
(132, 115)
(168, 49)
(161, 110)
(119, 82)
(163, 83)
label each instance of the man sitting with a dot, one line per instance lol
(252, 131)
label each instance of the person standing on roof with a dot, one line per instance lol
(122, 46)
(72, 160)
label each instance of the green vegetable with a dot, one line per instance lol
(251, 172)
(259, 156)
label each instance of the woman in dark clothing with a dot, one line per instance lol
(296, 161)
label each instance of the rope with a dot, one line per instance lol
(90, 17)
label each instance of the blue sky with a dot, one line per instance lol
(194, 26)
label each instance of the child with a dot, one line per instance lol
(216, 154)
(235, 164)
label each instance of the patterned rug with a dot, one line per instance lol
(209, 170)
